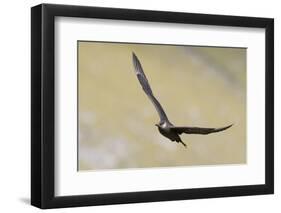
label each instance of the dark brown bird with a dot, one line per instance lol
(165, 127)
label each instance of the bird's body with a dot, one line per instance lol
(165, 127)
(166, 130)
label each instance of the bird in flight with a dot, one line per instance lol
(165, 127)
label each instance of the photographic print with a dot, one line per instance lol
(125, 94)
(160, 105)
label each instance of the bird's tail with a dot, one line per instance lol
(183, 144)
(180, 141)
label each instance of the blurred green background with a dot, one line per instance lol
(197, 86)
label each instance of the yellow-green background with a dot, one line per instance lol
(197, 86)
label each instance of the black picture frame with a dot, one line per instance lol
(43, 105)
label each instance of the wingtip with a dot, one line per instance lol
(227, 127)
(135, 59)
(230, 125)
(133, 54)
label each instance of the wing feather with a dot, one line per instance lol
(198, 130)
(147, 89)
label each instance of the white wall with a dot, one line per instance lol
(15, 106)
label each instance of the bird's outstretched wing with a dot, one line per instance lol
(198, 130)
(146, 88)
